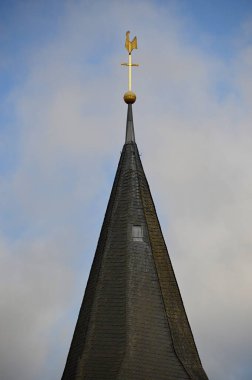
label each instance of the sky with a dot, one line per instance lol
(62, 128)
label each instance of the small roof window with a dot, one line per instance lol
(137, 233)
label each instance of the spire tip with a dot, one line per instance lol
(130, 134)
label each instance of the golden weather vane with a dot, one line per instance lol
(129, 96)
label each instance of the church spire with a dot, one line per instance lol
(132, 323)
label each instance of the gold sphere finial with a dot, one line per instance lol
(129, 97)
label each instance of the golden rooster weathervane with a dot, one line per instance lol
(129, 96)
(130, 45)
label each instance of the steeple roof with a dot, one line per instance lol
(132, 323)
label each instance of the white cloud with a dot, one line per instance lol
(35, 287)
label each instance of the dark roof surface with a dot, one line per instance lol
(132, 323)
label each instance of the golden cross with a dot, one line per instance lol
(130, 45)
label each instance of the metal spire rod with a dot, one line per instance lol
(130, 45)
